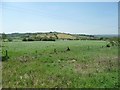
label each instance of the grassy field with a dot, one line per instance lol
(38, 64)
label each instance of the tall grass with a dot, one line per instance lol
(88, 64)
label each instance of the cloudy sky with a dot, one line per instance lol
(69, 17)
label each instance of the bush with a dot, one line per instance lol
(10, 39)
(70, 39)
(30, 39)
(24, 39)
(101, 38)
(108, 45)
(48, 39)
(114, 41)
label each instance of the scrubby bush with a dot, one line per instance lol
(10, 39)
(108, 45)
(30, 39)
(115, 41)
(4, 37)
(47, 39)
(24, 39)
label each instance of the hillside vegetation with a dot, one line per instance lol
(50, 36)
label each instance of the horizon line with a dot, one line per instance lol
(58, 32)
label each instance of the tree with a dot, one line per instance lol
(56, 36)
(4, 36)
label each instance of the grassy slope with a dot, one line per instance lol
(65, 36)
(86, 65)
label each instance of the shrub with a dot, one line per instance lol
(24, 39)
(10, 39)
(48, 39)
(108, 45)
(30, 39)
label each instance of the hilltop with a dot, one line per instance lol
(52, 36)
(49, 36)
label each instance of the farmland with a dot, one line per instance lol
(39, 64)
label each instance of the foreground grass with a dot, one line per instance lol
(88, 64)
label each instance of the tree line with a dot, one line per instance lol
(54, 36)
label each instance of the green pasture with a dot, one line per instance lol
(48, 64)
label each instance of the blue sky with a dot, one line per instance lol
(69, 17)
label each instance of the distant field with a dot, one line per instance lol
(38, 64)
